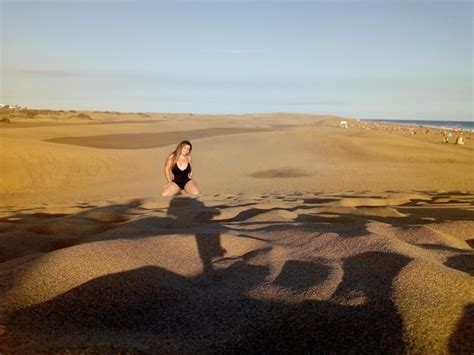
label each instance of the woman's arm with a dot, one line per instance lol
(168, 163)
(190, 160)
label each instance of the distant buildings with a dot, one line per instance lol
(11, 107)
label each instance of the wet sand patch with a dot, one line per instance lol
(148, 140)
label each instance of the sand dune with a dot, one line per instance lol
(299, 154)
(307, 238)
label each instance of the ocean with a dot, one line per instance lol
(463, 125)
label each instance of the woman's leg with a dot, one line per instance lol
(192, 188)
(170, 190)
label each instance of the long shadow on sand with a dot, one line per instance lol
(152, 309)
(460, 341)
(208, 241)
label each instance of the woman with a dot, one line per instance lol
(178, 171)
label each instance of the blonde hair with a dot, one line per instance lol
(177, 152)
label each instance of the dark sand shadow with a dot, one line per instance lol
(461, 341)
(149, 140)
(151, 308)
(302, 275)
(462, 262)
(208, 242)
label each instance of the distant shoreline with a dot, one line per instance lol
(449, 125)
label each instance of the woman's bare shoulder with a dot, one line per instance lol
(169, 159)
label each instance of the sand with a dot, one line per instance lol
(307, 237)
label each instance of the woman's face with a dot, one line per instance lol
(185, 150)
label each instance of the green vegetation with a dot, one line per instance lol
(8, 113)
(81, 116)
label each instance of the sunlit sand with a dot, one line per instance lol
(307, 237)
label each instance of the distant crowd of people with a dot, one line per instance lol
(446, 134)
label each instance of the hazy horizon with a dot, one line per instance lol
(362, 59)
(243, 114)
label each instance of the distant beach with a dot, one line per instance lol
(451, 125)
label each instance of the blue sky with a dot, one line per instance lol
(367, 59)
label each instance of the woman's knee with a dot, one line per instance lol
(191, 188)
(194, 190)
(169, 191)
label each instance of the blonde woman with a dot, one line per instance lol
(178, 172)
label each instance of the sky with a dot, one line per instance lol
(379, 59)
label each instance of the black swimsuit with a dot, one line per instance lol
(181, 177)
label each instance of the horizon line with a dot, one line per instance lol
(355, 117)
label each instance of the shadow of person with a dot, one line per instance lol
(461, 341)
(151, 308)
(186, 212)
